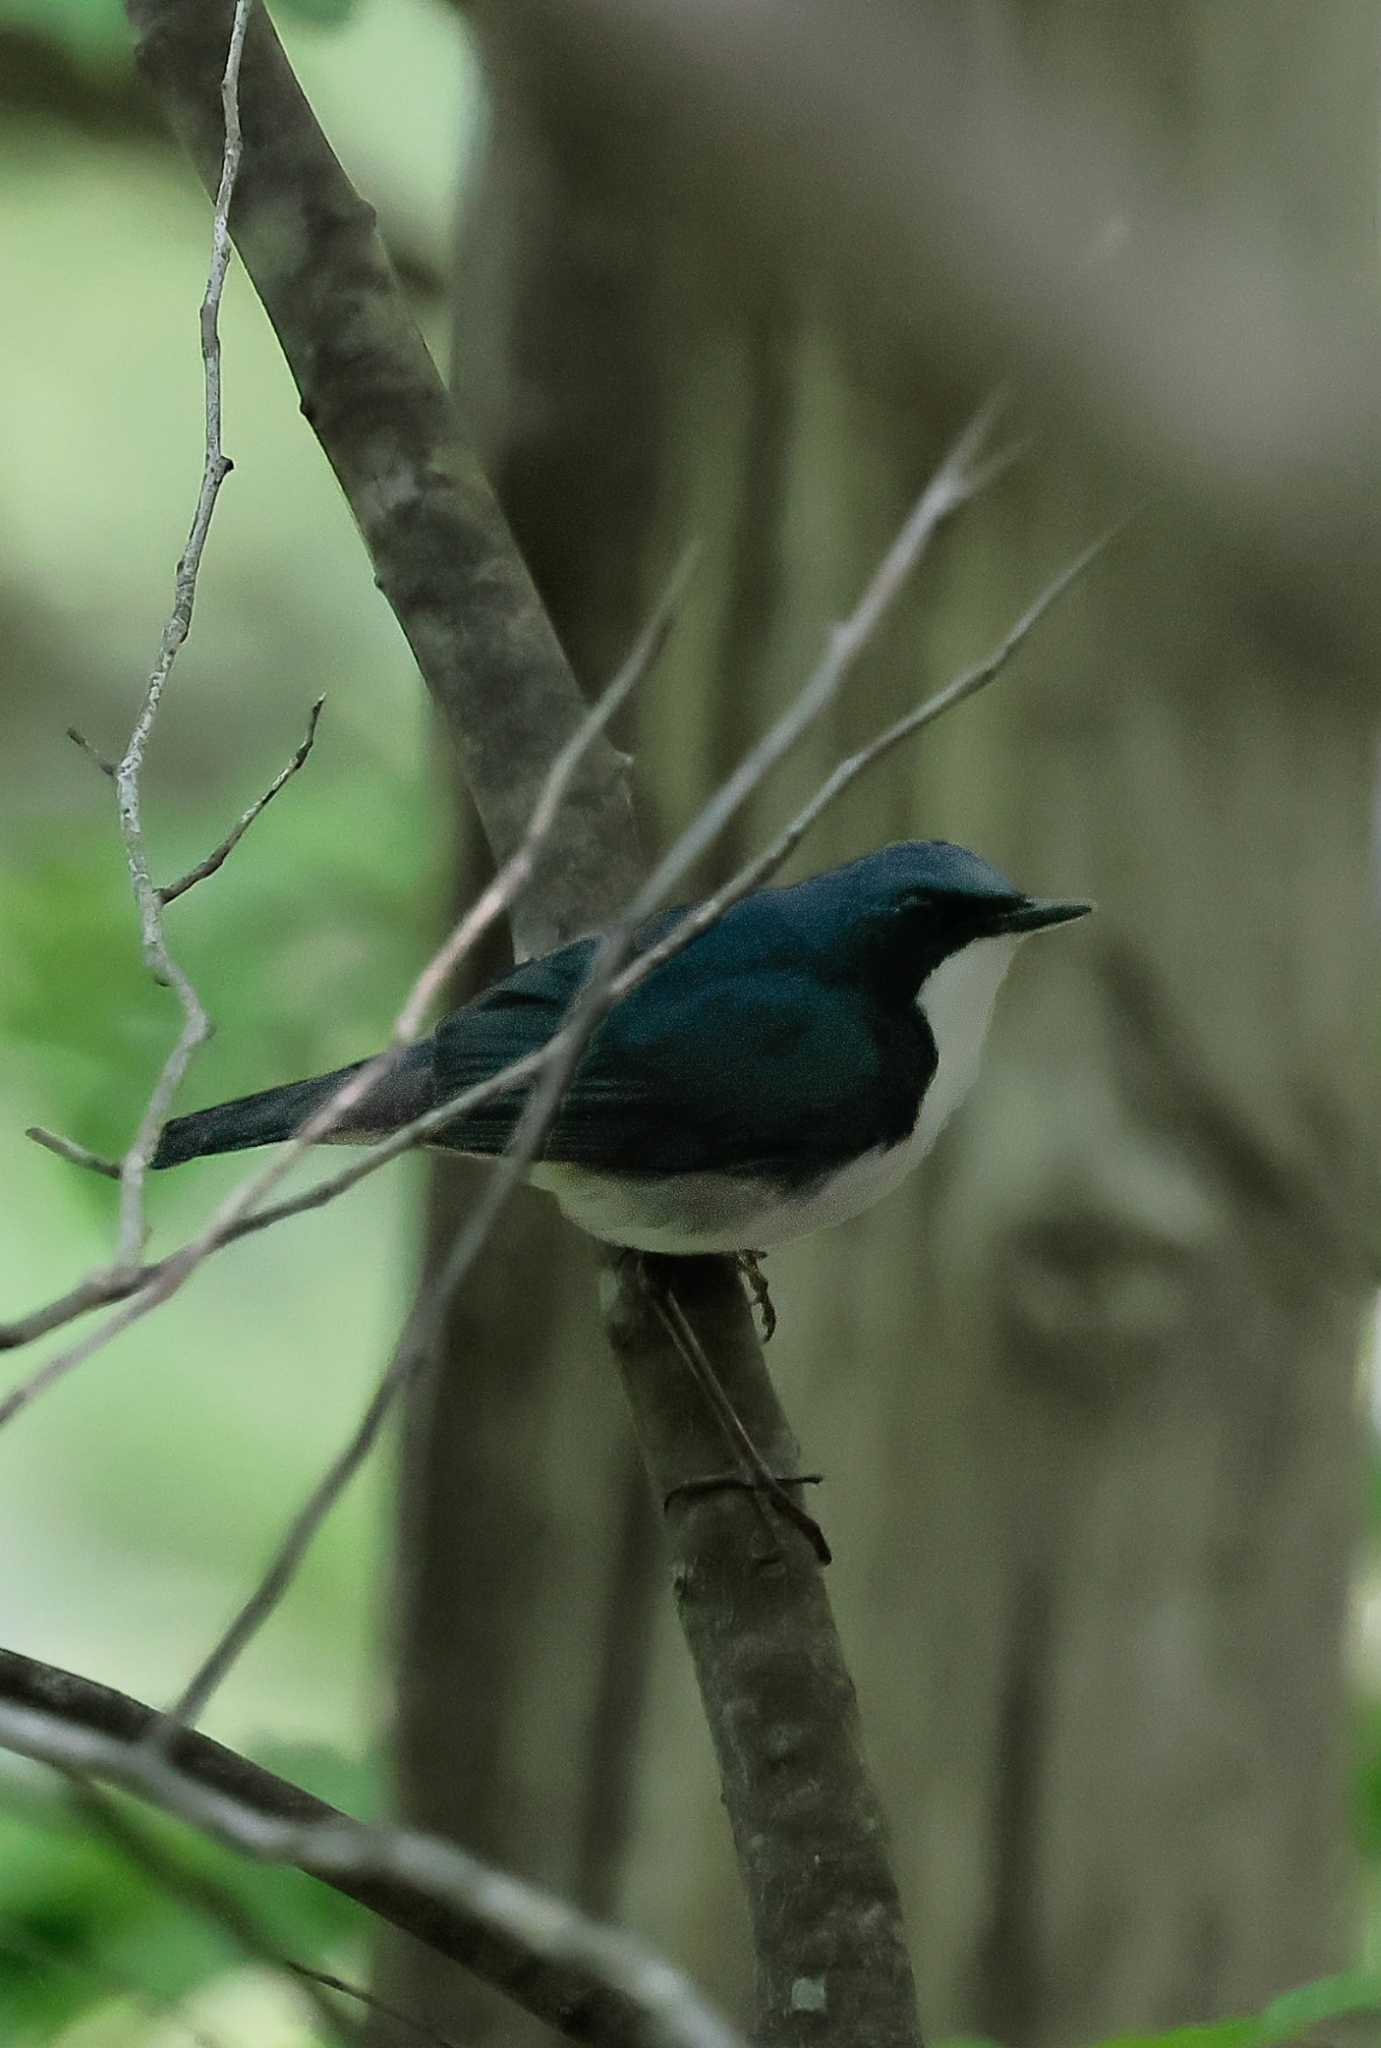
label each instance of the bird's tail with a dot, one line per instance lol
(278, 1113)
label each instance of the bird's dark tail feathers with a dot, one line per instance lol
(278, 1113)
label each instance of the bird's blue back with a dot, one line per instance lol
(803, 995)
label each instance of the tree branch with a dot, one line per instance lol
(828, 1940)
(591, 1983)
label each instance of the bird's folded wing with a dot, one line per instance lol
(768, 1073)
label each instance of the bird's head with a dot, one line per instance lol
(899, 915)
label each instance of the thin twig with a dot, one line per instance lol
(196, 1024)
(92, 753)
(72, 1152)
(347, 1851)
(372, 2001)
(170, 891)
(68, 1148)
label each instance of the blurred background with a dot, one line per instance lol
(1093, 1395)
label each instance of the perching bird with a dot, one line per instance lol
(783, 1072)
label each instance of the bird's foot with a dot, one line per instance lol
(750, 1265)
(774, 1485)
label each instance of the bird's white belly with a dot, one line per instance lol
(707, 1212)
(717, 1212)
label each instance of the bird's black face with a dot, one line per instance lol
(891, 917)
(922, 926)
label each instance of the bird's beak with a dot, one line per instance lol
(1034, 913)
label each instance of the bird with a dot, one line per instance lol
(781, 1073)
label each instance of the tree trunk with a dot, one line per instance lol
(1086, 1390)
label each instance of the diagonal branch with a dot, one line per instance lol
(592, 1982)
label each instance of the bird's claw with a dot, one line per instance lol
(750, 1265)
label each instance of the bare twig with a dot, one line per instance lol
(196, 1025)
(666, 2008)
(72, 1152)
(93, 754)
(967, 683)
(414, 1354)
(170, 891)
(372, 2001)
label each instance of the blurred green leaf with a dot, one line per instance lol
(1287, 2020)
(79, 1923)
(330, 13)
(1353, 1994)
(1216, 2034)
(96, 31)
(92, 31)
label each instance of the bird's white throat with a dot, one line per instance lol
(957, 999)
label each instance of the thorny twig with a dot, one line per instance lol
(196, 1024)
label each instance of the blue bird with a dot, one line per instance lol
(782, 1073)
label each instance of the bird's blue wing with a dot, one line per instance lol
(718, 1062)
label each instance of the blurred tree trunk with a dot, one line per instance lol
(1085, 1392)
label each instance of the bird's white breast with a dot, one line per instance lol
(720, 1212)
(957, 1002)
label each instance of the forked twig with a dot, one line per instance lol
(196, 1024)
